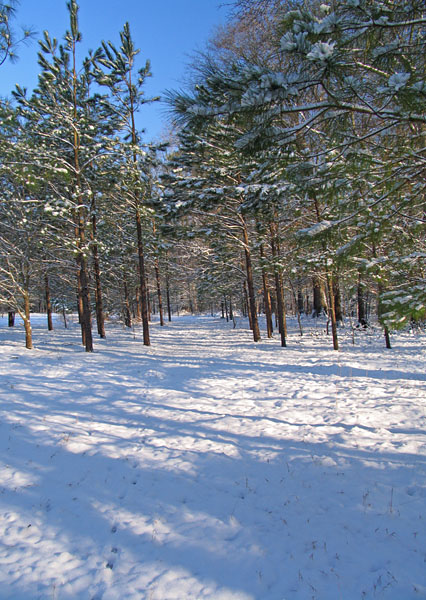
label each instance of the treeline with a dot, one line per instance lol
(302, 143)
(296, 177)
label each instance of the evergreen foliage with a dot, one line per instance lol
(297, 175)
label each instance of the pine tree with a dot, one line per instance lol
(8, 37)
(67, 121)
(125, 85)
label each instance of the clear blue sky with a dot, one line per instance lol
(166, 31)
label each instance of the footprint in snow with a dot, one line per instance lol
(153, 374)
(111, 561)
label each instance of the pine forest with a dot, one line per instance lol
(293, 181)
(212, 340)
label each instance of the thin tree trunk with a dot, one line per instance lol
(141, 258)
(83, 302)
(250, 287)
(127, 316)
(27, 323)
(337, 300)
(246, 311)
(318, 297)
(192, 301)
(278, 290)
(142, 279)
(381, 289)
(26, 316)
(362, 302)
(86, 317)
(138, 303)
(48, 303)
(100, 318)
(330, 289)
(300, 306)
(266, 296)
(148, 298)
(160, 298)
(79, 301)
(380, 312)
(387, 337)
(65, 317)
(169, 310)
(11, 319)
(332, 310)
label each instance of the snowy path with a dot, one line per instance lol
(208, 467)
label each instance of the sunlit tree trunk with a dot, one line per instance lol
(159, 295)
(100, 317)
(282, 328)
(332, 309)
(169, 309)
(250, 286)
(266, 296)
(142, 280)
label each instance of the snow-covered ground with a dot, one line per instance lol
(210, 467)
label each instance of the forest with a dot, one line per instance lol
(212, 345)
(292, 180)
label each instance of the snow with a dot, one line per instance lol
(321, 51)
(398, 80)
(210, 467)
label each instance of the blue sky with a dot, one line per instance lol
(166, 31)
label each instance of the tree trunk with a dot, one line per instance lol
(148, 298)
(266, 296)
(142, 279)
(246, 311)
(387, 338)
(65, 317)
(332, 311)
(79, 302)
(11, 319)
(27, 323)
(300, 303)
(160, 298)
(231, 310)
(48, 303)
(192, 301)
(127, 317)
(83, 276)
(278, 289)
(337, 300)
(318, 298)
(138, 303)
(380, 313)
(100, 318)
(169, 310)
(381, 289)
(298, 306)
(26, 316)
(362, 302)
(86, 316)
(250, 287)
